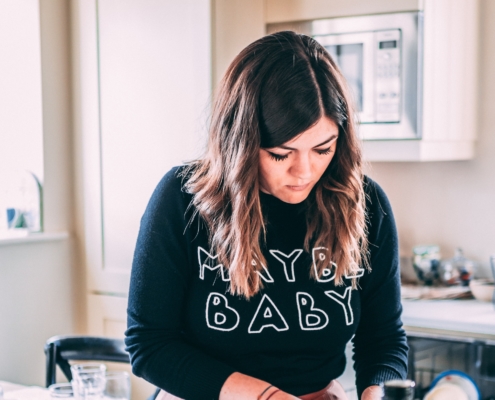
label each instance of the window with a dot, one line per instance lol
(21, 125)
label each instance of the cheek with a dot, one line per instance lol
(271, 173)
(263, 170)
(323, 164)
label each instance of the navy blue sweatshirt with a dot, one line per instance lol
(186, 334)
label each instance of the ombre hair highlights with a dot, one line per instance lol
(275, 89)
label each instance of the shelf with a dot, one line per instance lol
(12, 238)
(417, 150)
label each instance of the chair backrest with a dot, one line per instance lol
(59, 350)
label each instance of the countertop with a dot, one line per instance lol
(457, 318)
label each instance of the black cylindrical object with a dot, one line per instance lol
(398, 390)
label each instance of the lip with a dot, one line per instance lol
(298, 188)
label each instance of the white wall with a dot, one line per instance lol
(452, 203)
(235, 24)
(36, 291)
(57, 114)
(39, 283)
(20, 83)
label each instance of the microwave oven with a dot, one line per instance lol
(381, 58)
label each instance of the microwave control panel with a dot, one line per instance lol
(388, 80)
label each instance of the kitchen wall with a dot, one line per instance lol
(39, 282)
(452, 203)
(36, 302)
(235, 24)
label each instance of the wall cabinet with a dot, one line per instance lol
(450, 84)
(142, 84)
(300, 10)
(450, 87)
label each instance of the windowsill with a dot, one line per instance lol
(9, 238)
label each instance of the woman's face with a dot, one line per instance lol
(290, 170)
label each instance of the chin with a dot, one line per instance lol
(293, 198)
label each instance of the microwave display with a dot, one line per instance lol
(389, 44)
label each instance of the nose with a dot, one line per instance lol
(301, 168)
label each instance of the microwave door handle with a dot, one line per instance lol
(369, 73)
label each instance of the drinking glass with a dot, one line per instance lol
(60, 390)
(118, 385)
(88, 380)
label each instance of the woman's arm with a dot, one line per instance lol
(243, 387)
(380, 346)
(158, 291)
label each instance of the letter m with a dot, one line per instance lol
(206, 260)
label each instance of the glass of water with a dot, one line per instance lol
(88, 380)
(118, 385)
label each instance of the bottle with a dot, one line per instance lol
(457, 270)
(398, 390)
(426, 261)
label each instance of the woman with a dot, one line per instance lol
(257, 263)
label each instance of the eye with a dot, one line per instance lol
(278, 157)
(324, 151)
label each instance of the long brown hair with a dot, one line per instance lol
(275, 89)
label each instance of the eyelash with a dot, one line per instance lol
(278, 157)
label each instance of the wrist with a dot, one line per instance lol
(275, 393)
(266, 392)
(270, 394)
(280, 395)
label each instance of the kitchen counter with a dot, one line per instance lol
(9, 386)
(469, 319)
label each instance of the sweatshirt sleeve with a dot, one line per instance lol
(159, 283)
(380, 345)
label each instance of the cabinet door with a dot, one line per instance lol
(142, 89)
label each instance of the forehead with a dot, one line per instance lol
(323, 130)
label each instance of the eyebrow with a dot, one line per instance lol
(318, 145)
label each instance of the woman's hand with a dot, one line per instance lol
(372, 393)
(243, 387)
